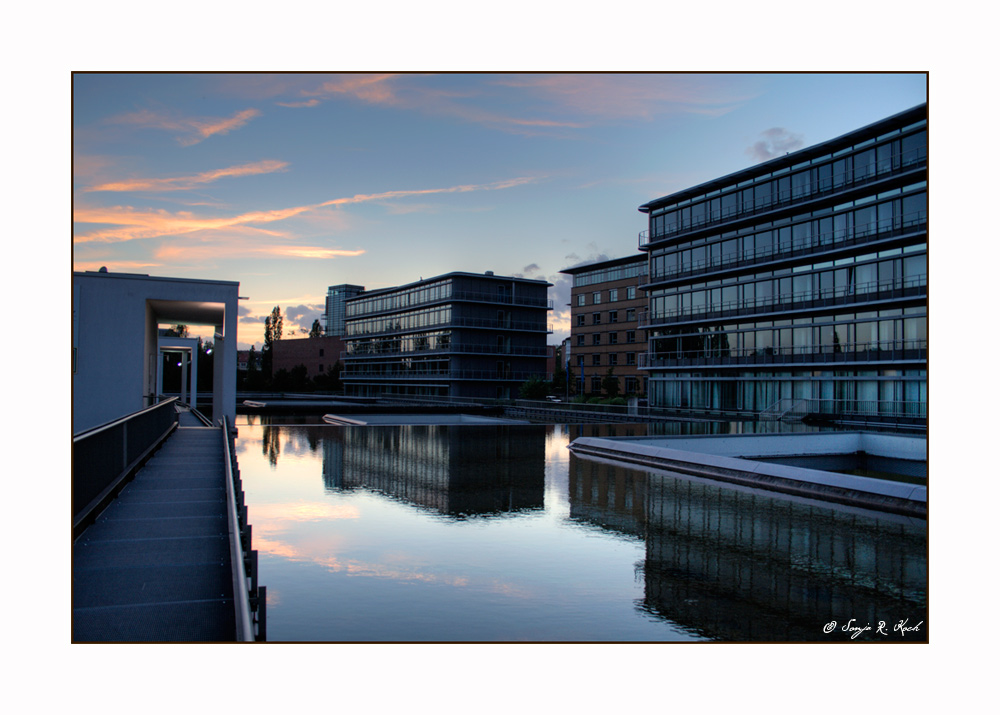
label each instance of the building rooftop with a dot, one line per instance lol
(914, 114)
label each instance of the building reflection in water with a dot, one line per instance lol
(736, 564)
(458, 471)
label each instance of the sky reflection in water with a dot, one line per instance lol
(481, 533)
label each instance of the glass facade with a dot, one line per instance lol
(797, 285)
(458, 335)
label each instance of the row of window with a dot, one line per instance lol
(612, 338)
(862, 219)
(401, 299)
(609, 275)
(896, 333)
(609, 359)
(854, 392)
(630, 317)
(613, 296)
(412, 320)
(895, 269)
(632, 384)
(818, 178)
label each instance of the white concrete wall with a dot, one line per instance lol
(115, 335)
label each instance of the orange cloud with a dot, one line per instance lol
(129, 224)
(178, 183)
(192, 130)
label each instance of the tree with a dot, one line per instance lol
(610, 383)
(316, 331)
(272, 331)
(535, 388)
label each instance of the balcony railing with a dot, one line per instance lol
(880, 351)
(504, 299)
(862, 293)
(514, 350)
(415, 374)
(871, 173)
(859, 235)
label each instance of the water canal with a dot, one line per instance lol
(498, 533)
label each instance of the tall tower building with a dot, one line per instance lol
(336, 297)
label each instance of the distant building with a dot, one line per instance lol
(457, 335)
(606, 302)
(798, 285)
(336, 302)
(116, 361)
(318, 355)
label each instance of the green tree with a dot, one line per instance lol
(273, 325)
(534, 388)
(610, 383)
(316, 331)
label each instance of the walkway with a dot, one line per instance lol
(156, 564)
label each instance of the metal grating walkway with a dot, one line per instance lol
(156, 564)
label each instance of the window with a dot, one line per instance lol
(595, 383)
(580, 339)
(629, 336)
(596, 359)
(630, 315)
(581, 299)
(597, 338)
(612, 359)
(630, 360)
(613, 316)
(321, 354)
(612, 295)
(581, 320)
(612, 338)
(579, 361)
(597, 319)
(321, 367)
(597, 297)
(631, 292)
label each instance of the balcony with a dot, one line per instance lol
(875, 172)
(505, 299)
(465, 349)
(441, 374)
(863, 293)
(832, 241)
(866, 352)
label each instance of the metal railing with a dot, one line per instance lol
(828, 240)
(860, 293)
(249, 597)
(483, 349)
(915, 349)
(107, 456)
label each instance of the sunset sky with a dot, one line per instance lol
(289, 183)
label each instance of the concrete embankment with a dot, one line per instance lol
(880, 494)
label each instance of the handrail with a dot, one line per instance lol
(106, 457)
(91, 431)
(241, 595)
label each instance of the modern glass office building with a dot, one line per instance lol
(455, 335)
(797, 286)
(336, 306)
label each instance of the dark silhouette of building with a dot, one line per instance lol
(797, 286)
(455, 335)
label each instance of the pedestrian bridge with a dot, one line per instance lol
(161, 542)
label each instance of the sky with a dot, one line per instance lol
(290, 183)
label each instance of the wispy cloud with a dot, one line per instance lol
(191, 130)
(308, 103)
(125, 223)
(179, 183)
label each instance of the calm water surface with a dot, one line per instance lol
(498, 533)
